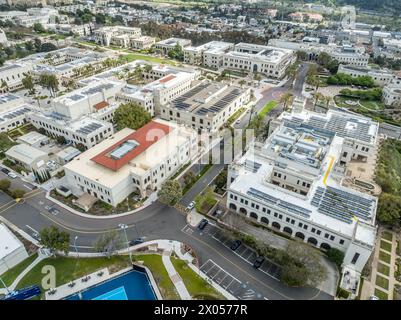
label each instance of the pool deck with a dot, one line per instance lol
(64, 290)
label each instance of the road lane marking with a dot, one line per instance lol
(246, 273)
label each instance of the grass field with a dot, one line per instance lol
(155, 264)
(381, 295)
(382, 282)
(9, 276)
(196, 286)
(267, 108)
(387, 236)
(68, 269)
(385, 257)
(134, 56)
(385, 245)
(383, 269)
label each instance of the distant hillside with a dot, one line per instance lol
(379, 5)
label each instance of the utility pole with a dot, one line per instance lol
(75, 246)
(124, 227)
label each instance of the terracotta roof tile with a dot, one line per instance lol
(145, 137)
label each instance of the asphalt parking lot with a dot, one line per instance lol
(244, 252)
(238, 289)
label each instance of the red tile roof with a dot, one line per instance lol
(101, 105)
(167, 79)
(145, 137)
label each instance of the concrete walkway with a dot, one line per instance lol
(175, 277)
(12, 287)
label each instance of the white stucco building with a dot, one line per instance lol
(271, 61)
(168, 44)
(293, 182)
(131, 161)
(210, 54)
(206, 106)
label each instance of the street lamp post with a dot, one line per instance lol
(4, 285)
(75, 245)
(125, 227)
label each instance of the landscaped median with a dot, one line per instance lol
(267, 108)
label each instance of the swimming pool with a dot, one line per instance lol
(132, 285)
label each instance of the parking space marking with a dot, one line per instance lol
(247, 254)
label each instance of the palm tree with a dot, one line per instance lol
(287, 99)
(318, 96)
(49, 81)
(28, 84)
(4, 85)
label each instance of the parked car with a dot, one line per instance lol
(203, 224)
(54, 211)
(5, 170)
(191, 206)
(136, 241)
(235, 245)
(12, 175)
(258, 262)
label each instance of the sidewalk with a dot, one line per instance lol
(175, 277)
(12, 287)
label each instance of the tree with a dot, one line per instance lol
(303, 265)
(49, 81)
(28, 84)
(5, 185)
(61, 140)
(256, 124)
(131, 115)
(18, 193)
(38, 27)
(47, 47)
(221, 179)
(287, 99)
(335, 255)
(189, 177)
(54, 239)
(109, 242)
(176, 53)
(170, 192)
(389, 208)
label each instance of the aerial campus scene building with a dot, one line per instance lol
(211, 150)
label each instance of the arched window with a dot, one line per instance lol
(313, 241)
(253, 215)
(325, 246)
(276, 225)
(300, 235)
(243, 211)
(264, 220)
(287, 230)
(233, 207)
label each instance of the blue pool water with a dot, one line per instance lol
(132, 285)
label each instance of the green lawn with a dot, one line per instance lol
(381, 295)
(384, 257)
(385, 245)
(382, 282)
(373, 105)
(383, 269)
(267, 108)
(387, 235)
(9, 276)
(68, 269)
(155, 264)
(197, 287)
(134, 56)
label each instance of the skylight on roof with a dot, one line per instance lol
(121, 150)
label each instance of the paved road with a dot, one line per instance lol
(156, 222)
